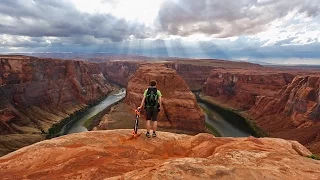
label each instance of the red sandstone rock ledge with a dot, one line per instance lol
(108, 154)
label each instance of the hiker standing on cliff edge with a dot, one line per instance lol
(151, 101)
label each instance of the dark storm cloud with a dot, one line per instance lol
(226, 18)
(59, 18)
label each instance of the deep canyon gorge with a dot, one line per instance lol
(40, 95)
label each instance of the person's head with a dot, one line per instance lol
(153, 83)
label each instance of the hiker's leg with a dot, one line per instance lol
(154, 120)
(154, 126)
(148, 119)
(148, 125)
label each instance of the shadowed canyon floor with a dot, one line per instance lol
(109, 154)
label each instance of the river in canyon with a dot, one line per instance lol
(226, 124)
(222, 123)
(77, 125)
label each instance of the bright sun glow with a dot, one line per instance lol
(144, 11)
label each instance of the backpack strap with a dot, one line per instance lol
(155, 90)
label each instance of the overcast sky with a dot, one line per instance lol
(274, 31)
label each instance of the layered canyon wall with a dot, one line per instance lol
(292, 113)
(119, 72)
(284, 103)
(240, 87)
(193, 72)
(36, 93)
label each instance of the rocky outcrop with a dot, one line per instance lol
(281, 103)
(299, 100)
(194, 72)
(240, 88)
(37, 93)
(293, 113)
(119, 72)
(179, 108)
(194, 75)
(110, 154)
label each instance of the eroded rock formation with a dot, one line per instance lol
(194, 72)
(179, 107)
(284, 103)
(240, 88)
(299, 100)
(119, 71)
(109, 154)
(292, 113)
(37, 93)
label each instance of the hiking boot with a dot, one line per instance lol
(154, 134)
(148, 135)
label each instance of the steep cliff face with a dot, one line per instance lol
(180, 109)
(37, 93)
(109, 154)
(240, 88)
(119, 71)
(299, 100)
(281, 103)
(293, 112)
(195, 75)
(194, 72)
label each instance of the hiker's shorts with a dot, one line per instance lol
(152, 114)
